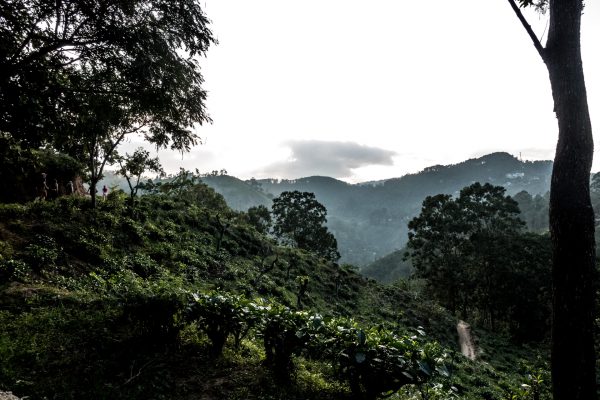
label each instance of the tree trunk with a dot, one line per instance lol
(93, 183)
(571, 213)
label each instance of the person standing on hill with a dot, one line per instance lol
(43, 188)
(104, 192)
(54, 189)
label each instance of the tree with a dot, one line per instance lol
(20, 170)
(260, 218)
(459, 247)
(134, 166)
(571, 213)
(300, 221)
(436, 248)
(82, 75)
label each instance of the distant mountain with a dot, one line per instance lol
(370, 220)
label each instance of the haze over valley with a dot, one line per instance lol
(369, 220)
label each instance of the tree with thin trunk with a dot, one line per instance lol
(571, 213)
(134, 166)
(81, 75)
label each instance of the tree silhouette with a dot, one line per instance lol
(82, 75)
(299, 220)
(453, 244)
(134, 166)
(571, 213)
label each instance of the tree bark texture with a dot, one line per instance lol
(571, 213)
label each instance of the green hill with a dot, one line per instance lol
(389, 268)
(125, 303)
(239, 195)
(369, 220)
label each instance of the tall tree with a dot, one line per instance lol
(456, 245)
(83, 74)
(300, 221)
(260, 218)
(437, 247)
(571, 213)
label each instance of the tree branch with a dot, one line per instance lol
(536, 42)
(58, 18)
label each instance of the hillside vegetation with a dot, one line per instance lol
(369, 220)
(160, 301)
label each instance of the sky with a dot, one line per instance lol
(370, 90)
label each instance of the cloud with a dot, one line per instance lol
(335, 159)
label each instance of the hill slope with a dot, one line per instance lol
(369, 220)
(102, 304)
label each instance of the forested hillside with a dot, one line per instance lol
(159, 300)
(369, 220)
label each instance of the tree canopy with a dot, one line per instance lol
(299, 220)
(260, 218)
(81, 75)
(133, 166)
(476, 259)
(136, 55)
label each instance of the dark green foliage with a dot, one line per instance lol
(13, 270)
(284, 335)
(42, 253)
(21, 171)
(81, 76)
(476, 260)
(534, 210)
(300, 221)
(221, 315)
(125, 54)
(113, 315)
(260, 218)
(389, 268)
(378, 361)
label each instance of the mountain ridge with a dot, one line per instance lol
(369, 220)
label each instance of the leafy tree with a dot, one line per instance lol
(459, 246)
(21, 169)
(534, 210)
(437, 247)
(260, 218)
(300, 221)
(187, 187)
(86, 74)
(571, 213)
(475, 259)
(135, 165)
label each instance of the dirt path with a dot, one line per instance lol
(467, 346)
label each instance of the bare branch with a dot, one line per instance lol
(536, 42)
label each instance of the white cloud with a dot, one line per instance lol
(329, 158)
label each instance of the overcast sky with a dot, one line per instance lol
(365, 90)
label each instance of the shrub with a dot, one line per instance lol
(43, 253)
(13, 270)
(222, 315)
